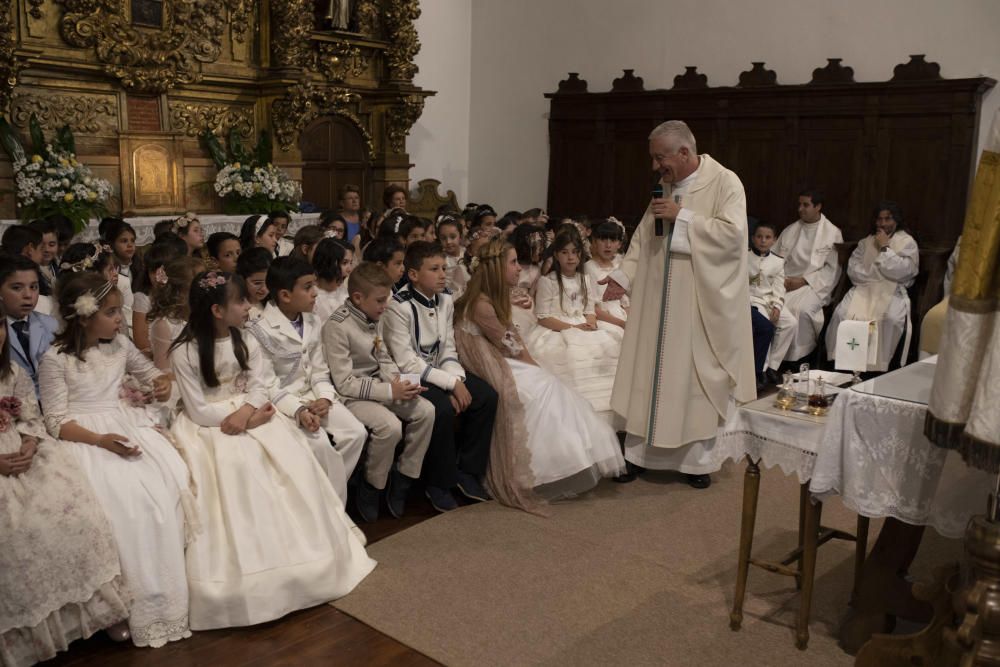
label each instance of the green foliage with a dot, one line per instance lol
(37, 137)
(210, 142)
(10, 141)
(264, 148)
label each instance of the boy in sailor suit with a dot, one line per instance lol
(421, 339)
(369, 381)
(767, 296)
(297, 376)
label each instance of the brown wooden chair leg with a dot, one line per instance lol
(814, 511)
(803, 499)
(751, 488)
(860, 552)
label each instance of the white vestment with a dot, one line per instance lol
(879, 294)
(687, 350)
(810, 252)
(767, 291)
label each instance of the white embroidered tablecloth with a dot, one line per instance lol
(143, 225)
(870, 450)
(789, 440)
(875, 456)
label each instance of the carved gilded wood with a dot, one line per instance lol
(221, 65)
(84, 113)
(192, 119)
(148, 60)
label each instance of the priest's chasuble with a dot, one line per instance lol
(687, 350)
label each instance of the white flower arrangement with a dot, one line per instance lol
(260, 189)
(56, 183)
(50, 180)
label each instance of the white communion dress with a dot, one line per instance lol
(570, 446)
(274, 535)
(59, 574)
(584, 360)
(144, 496)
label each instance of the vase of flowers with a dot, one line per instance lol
(249, 182)
(51, 180)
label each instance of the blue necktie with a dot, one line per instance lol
(21, 329)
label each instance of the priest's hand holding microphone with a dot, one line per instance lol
(665, 210)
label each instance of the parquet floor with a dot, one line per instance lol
(318, 636)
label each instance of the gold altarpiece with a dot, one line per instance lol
(138, 81)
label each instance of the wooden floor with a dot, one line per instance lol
(318, 636)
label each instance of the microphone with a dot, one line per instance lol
(658, 222)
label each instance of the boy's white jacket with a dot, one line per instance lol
(297, 374)
(420, 335)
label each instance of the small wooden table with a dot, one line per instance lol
(791, 441)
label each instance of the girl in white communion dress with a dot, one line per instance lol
(274, 535)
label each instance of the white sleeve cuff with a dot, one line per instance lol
(679, 241)
(619, 277)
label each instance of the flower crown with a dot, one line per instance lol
(87, 262)
(185, 220)
(618, 222)
(89, 302)
(160, 276)
(489, 233)
(212, 280)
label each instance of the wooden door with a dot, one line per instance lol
(333, 155)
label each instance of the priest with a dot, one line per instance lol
(812, 269)
(687, 353)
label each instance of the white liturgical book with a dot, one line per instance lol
(857, 345)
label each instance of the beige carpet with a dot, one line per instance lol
(636, 574)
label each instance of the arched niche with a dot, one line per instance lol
(334, 154)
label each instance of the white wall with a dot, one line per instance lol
(439, 141)
(522, 48)
(485, 134)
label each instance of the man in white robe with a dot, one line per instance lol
(812, 270)
(881, 268)
(687, 352)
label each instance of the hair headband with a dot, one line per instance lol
(89, 302)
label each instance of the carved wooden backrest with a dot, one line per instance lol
(910, 139)
(427, 200)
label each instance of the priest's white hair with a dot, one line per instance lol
(678, 133)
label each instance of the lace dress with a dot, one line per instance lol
(456, 275)
(584, 360)
(524, 318)
(546, 437)
(143, 497)
(274, 535)
(596, 272)
(59, 574)
(162, 333)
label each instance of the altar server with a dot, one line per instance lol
(882, 267)
(808, 247)
(767, 295)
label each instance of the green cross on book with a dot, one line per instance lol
(853, 343)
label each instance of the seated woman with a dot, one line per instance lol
(882, 267)
(547, 440)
